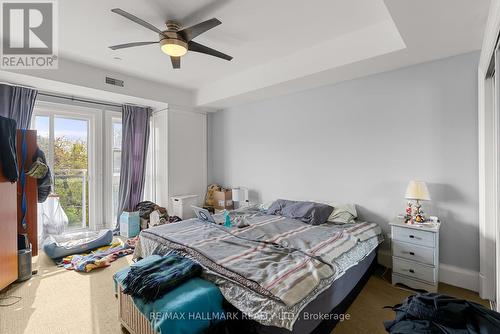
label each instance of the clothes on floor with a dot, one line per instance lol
(190, 308)
(99, 258)
(435, 313)
(152, 279)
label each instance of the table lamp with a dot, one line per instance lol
(417, 191)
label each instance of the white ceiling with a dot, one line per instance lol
(279, 46)
(253, 32)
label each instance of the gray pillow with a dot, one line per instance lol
(307, 212)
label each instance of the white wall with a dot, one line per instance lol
(361, 141)
(187, 153)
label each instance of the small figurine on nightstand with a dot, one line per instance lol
(417, 191)
(408, 219)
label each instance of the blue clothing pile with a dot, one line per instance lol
(190, 307)
(158, 276)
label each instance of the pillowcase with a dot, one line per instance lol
(343, 214)
(265, 206)
(307, 212)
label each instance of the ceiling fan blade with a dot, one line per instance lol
(136, 19)
(176, 62)
(197, 47)
(130, 45)
(191, 32)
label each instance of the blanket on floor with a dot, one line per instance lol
(436, 313)
(152, 279)
(192, 307)
(99, 258)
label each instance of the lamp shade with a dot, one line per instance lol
(417, 190)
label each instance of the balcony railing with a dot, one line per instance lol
(71, 185)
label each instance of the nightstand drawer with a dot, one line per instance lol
(413, 252)
(414, 269)
(413, 236)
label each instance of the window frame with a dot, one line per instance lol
(94, 140)
(109, 118)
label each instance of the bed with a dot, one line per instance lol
(278, 272)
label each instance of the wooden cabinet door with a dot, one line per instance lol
(8, 233)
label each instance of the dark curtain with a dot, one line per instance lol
(17, 103)
(135, 137)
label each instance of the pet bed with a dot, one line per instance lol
(58, 246)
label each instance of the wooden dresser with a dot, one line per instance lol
(8, 232)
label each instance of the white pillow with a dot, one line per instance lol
(343, 214)
(265, 206)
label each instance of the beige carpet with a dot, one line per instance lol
(60, 301)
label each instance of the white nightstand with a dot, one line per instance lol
(415, 255)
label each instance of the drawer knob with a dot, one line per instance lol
(411, 253)
(411, 236)
(411, 271)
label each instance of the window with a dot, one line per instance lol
(65, 140)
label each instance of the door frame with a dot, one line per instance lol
(489, 163)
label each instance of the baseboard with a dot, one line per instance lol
(463, 278)
(452, 275)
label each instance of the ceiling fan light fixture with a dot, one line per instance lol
(174, 47)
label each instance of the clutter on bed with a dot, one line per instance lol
(151, 280)
(308, 212)
(58, 246)
(189, 302)
(100, 258)
(436, 313)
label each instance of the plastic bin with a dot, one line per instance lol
(181, 206)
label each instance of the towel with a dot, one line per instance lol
(155, 278)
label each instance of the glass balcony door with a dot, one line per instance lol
(65, 139)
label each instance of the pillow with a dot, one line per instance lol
(307, 212)
(343, 214)
(265, 206)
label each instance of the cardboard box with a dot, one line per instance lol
(223, 199)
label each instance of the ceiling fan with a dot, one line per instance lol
(176, 41)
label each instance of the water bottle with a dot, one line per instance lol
(227, 218)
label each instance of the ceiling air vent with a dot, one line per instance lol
(114, 82)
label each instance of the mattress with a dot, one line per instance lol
(136, 323)
(348, 245)
(329, 299)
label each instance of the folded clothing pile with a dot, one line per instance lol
(155, 278)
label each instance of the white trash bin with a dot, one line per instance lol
(181, 206)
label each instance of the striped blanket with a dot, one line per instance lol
(277, 257)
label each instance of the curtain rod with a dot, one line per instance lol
(72, 98)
